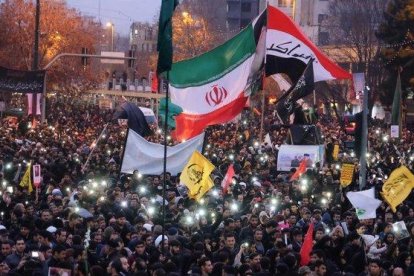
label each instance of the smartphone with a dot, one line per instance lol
(35, 254)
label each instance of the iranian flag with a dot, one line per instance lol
(213, 88)
(288, 51)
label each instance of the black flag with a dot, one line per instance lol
(136, 119)
(303, 87)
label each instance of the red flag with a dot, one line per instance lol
(288, 50)
(307, 246)
(256, 111)
(299, 171)
(154, 83)
(190, 125)
(225, 184)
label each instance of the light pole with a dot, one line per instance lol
(35, 65)
(112, 26)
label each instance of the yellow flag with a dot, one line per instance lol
(196, 174)
(335, 152)
(347, 174)
(203, 190)
(398, 187)
(26, 181)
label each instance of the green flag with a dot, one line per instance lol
(173, 110)
(164, 46)
(396, 104)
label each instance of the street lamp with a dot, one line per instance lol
(112, 26)
(186, 17)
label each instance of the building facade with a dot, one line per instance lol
(143, 37)
(240, 13)
(308, 14)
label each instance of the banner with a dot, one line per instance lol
(347, 174)
(21, 81)
(147, 157)
(37, 177)
(30, 104)
(395, 131)
(398, 187)
(400, 230)
(335, 152)
(290, 156)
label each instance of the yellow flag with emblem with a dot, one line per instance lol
(398, 187)
(26, 181)
(196, 175)
(203, 190)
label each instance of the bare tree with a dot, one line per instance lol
(198, 26)
(352, 26)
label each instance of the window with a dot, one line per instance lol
(286, 3)
(246, 7)
(321, 17)
(323, 38)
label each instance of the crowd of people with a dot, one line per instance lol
(85, 218)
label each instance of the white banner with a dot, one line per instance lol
(113, 54)
(147, 158)
(395, 131)
(290, 156)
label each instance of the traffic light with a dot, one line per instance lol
(353, 127)
(85, 60)
(131, 62)
(350, 124)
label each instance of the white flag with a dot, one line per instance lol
(364, 203)
(147, 157)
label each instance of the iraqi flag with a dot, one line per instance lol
(288, 50)
(213, 88)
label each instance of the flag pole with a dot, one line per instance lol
(123, 153)
(164, 184)
(262, 117)
(364, 142)
(93, 149)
